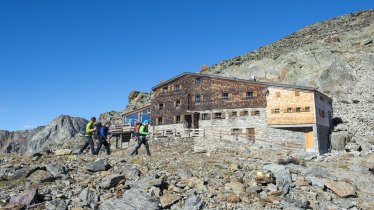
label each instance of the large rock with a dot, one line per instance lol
(111, 181)
(57, 170)
(339, 140)
(194, 202)
(235, 187)
(282, 176)
(26, 198)
(130, 172)
(89, 196)
(169, 199)
(341, 189)
(12, 173)
(147, 182)
(264, 177)
(133, 199)
(101, 165)
(41, 176)
(60, 152)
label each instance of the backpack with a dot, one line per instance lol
(137, 128)
(97, 132)
(83, 128)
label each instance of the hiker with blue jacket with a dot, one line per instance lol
(143, 132)
(90, 129)
(103, 139)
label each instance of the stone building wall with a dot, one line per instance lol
(210, 91)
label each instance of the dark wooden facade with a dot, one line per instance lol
(180, 96)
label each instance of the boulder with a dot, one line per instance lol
(234, 186)
(41, 176)
(56, 170)
(17, 172)
(317, 182)
(282, 176)
(193, 202)
(147, 182)
(195, 183)
(351, 147)
(26, 198)
(101, 165)
(341, 188)
(169, 199)
(339, 140)
(130, 172)
(89, 196)
(133, 199)
(60, 152)
(233, 198)
(264, 177)
(111, 181)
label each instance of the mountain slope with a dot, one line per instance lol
(336, 56)
(55, 134)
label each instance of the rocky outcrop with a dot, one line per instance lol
(137, 100)
(335, 56)
(57, 134)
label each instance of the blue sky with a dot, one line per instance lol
(82, 58)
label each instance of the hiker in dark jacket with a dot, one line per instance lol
(90, 129)
(143, 132)
(103, 139)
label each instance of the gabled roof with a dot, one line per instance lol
(268, 84)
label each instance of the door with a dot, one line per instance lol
(187, 121)
(196, 118)
(309, 143)
(251, 134)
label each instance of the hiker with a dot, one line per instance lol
(96, 134)
(90, 129)
(143, 132)
(103, 139)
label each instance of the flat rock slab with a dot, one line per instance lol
(41, 176)
(60, 152)
(56, 169)
(341, 189)
(111, 181)
(89, 196)
(133, 199)
(26, 198)
(194, 202)
(169, 199)
(101, 165)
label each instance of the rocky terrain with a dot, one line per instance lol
(58, 133)
(188, 174)
(335, 56)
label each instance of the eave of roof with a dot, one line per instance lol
(239, 80)
(136, 110)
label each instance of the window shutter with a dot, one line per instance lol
(272, 111)
(253, 113)
(201, 98)
(285, 110)
(223, 115)
(254, 94)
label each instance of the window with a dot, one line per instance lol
(249, 94)
(298, 109)
(255, 113)
(131, 119)
(218, 115)
(322, 113)
(277, 111)
(165, 89)
(234, 114)
(277, 94)
(177, 119)
(236, 131)
(176, 88)
(307, 109)
(198, 81)
(244, 113)
(161, 106)
(225, 96)
(205, 116)
(297, 93)
(177, 103)
(289, 110)
(159, 121)
(197, 98)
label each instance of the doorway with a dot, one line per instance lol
(309, 143)
(187, 121)
(251, 134)
(196, 118)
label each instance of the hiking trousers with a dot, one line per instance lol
(106, 145)
(141, 140)
(89, 142)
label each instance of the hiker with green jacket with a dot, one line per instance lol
(143, 132)
(90, 129)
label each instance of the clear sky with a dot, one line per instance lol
(83, 57)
